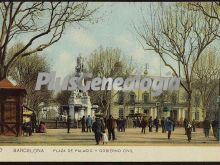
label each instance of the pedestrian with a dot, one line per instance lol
(123, 124)
(88, 123)
(189, 131)
(150, 123)
(118, 124)
(111, 125)
(162, 122)
(156, 123)
(42, 127)
(83, 122)
(206, 127)
(215, 127)
(68, 123)
(143, 125)
(138, 122)
(104, 138)
(134, 123)
(169, 126)
(194, 125)
(34, 122)
(185, 121)
(98, 128)
(174, 123)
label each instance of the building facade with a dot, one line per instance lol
(126, 104)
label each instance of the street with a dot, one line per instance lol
(132, 137)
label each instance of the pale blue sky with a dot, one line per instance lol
(114, 30)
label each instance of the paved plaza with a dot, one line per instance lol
(132, 137)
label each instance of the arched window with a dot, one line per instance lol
(120, 97)
(145, 97)
(132, 98)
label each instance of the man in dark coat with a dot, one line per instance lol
(185, 122)
(206, 126)
(150, 123)
(123, 124)
(215, 127)
(83, 121)
(111, 124)
(97, 128)
(68, 123)
(162, 122)
(143, 125)
(156, 123)
(34, 122)
(189, 131)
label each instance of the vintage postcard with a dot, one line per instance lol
(109, 81)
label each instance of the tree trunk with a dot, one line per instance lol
(189, 107)
(3, 72)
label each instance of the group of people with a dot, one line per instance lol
(100, 125)
(31, 126)
(86, 123)
(152, 123)
(121, 124)
(99, 128)
(168, 125)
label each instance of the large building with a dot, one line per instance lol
(142, 103)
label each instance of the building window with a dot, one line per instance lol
(131, 111)
(120, 97)
(146, 110)
(196, 115)
(146, 98)
(121, 113)
(132, 98)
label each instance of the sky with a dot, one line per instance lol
(113, 30)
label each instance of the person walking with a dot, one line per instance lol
(156, 123)
(143, 125)
(215, 127)
(111, 125)
(98, 128)
(150, 123)
(68, 123)
(162, 122)
(194, 125)
(189, 131)
(169, 126)
(88, 123)
(206, 127)
(185, 121)
(123, 124)
(134, 123)
(34, 122)
(83, 122)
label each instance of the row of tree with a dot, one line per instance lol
(180, 33)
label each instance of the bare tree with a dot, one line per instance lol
(24, 72)
(206, 74)
(209, 9)
(107, 63)
(179, 36)
(33, 22)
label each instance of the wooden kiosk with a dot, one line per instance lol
(11, 115)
